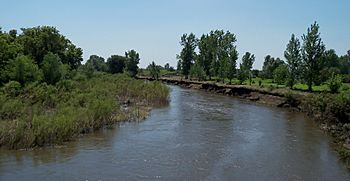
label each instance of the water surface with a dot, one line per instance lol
(199, 136)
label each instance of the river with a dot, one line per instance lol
(199, 136)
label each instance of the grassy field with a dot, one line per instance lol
(41, 114)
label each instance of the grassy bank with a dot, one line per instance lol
(41, 114)
(332, 112)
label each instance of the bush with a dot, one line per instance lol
(333, 108)
(12, 88)
(23, 70)
(346, 78)
(280, 74)
(334, 83)
(12, 109)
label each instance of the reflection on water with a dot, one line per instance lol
(199, 136)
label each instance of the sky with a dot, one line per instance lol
(154, 27)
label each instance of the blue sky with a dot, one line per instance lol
(154, 27)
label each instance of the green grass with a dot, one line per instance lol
(269, 83)
(41, 114)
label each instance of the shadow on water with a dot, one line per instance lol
(199, 136)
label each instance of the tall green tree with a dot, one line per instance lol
(73, 56)
(270, 64)
(330, 65)
(178, 66)
(293, 57)
(312, 52)
(225, 49)
(344, 62)
(247, 65)
(167, 66)
(231, 73)
(154, 70)
(132, 61)
(98, 63)
(39, 41)
(51, 68)
(207, 46)
(188, 54)
(10, 48)
(116, 64)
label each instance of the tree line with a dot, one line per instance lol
(215, 55)
(42, 54)
(115, 64)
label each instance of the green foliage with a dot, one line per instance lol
(312, 52)
(260, 82)
(116, 64)
(246, 66)
(334, 108)
(12, 88)
(11, 109)
(51, 68)
(88, 70)
(218, 54)
(293, 56)
(98, 63)
(232, 63)
(188, 54)
(280, 74)
(334, 83)
(344, 63)
(35, 43)
(9, 49)
(42, 114)
(23, 70)
(154, 70)
(72, 56)
(197, 72)
(39, 41)
(269, 66)
(132, 61)
(179, 66)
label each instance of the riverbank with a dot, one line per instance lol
(330, 111)
(40, 114)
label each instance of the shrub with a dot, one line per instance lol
(12, 109)
(23, 70)
(12, 88)
(280, 74)
(334, 83)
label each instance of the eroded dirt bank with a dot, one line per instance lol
(276, 97)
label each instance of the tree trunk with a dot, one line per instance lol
(309, 84)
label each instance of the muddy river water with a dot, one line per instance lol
(199, 136)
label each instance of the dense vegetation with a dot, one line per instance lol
(307, 63)
(47, 96)
(41, 114)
